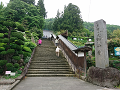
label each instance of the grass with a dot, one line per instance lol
(11, 77)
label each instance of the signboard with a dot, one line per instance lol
(117, 51)
(12, 74)
(7, 72)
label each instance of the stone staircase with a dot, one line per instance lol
(46, 63)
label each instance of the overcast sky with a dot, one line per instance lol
(91, 10)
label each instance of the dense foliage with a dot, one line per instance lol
(70, 20)
(17, 23)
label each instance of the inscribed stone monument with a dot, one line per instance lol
(101, 49)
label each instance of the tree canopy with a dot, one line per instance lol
(70, 20)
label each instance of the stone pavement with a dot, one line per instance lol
(5, 83)
(56, 83)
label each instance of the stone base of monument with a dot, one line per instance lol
(108, 77)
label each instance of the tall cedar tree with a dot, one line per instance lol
(70, 20)
(40, 6)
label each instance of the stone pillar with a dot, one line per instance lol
(101, 48)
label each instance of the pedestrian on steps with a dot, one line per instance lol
(57, 51)
(56, 42)
(39, 42)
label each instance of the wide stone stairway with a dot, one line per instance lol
(46, 63)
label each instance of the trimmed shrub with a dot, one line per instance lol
(2, 44)
(1, 35)
(31, 45)
(13, 24)
(5, 40)
(16, 65)
(19, 35)
(3, 52)
(21, 28)
(26, 54)
(12, 39)
(3, 62)
(27, 49)
(5, 30)
(13, 46)
(19, 42)
(10, 67)
(5, 35)
(16, 58)
(20, 52)
(9, 51)
(19, 71)
(6, 23)
(2, 49)
(18, 47)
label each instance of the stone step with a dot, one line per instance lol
(49, 72)
(49, 69)
(50, 75)
(49, 61)
(40, 64)
(48, 65)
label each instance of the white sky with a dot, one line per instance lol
(91, 10)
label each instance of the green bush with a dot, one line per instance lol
(21, 28)
(19, 71)
(114, 64)
(5, 30)
(3, 52)
(26, 54)
(27, 60)
(5, 40)
(13, 46)
(16, 65)
(9, 65)
(6, 23)
(19, 42)
(20, 52)
(10, 51)
(2, 44)
(2, 49)
(18, 48)
(13, 24)
(16, 58)
(5, 35)
(31, 45)
(22, 67)
(19, 35)
(3, 62)
(27, 49)
(12, 39)
(1, 35)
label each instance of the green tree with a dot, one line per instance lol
(28, 1)
(1, 11)
(70, 20)
(40, 6)
(116, 33)
(19, 11)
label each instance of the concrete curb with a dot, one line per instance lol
(13, 85)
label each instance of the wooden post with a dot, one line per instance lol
(85, 63)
